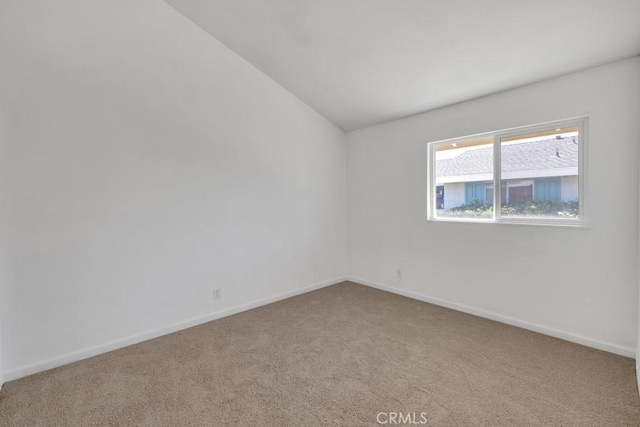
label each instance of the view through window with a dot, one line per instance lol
(539, 170)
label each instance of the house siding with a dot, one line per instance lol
(569, 188)
(455, 193)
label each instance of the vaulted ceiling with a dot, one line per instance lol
(363, 62)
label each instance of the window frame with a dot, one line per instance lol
(580, 122)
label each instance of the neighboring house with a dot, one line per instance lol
(533, 170)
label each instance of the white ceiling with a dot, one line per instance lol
(362, 62)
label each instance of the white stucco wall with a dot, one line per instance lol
(453, 195)
(569, 188)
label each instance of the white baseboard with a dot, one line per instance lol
(589, 342)
(55, 362)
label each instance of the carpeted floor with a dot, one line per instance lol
(337, 356)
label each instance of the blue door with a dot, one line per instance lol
(474, 190)
(547, 189)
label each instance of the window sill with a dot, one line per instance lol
(508, 221)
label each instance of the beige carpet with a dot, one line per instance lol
(337, 356)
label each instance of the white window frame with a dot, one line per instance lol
(580, 122)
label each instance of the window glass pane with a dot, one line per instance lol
(539, 173)
(464, 179)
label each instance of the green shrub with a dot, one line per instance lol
(478, 209)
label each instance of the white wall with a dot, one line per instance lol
(3, 227)
(581, 284)
(569, 188)
(150, 164)
(454, 195)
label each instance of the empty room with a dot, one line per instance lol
(310, 213)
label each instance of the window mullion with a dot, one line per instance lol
(497, 186)
(431, 205)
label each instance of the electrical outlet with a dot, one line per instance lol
(399, 274)
(216, 293)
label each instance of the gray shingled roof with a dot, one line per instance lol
(533, 155)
